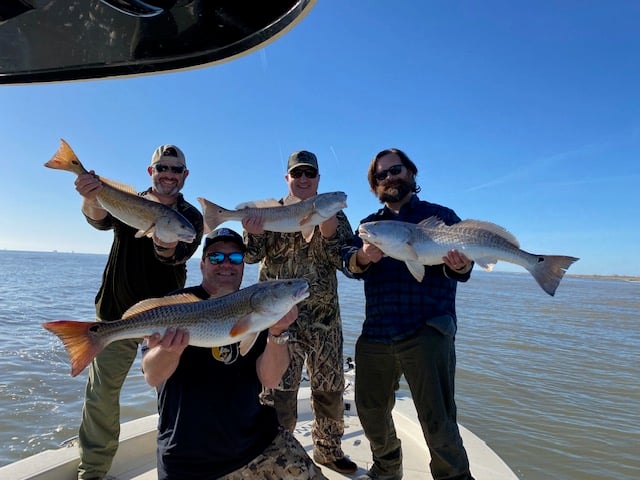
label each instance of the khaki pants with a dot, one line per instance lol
(100, 426)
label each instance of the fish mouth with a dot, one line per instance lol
(302, 292)
(187, 237)
(363, 233)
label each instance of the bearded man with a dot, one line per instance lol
(409, 329)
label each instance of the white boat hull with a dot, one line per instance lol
(136, 457)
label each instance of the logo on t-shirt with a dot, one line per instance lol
(227, 354)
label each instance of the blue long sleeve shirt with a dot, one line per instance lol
(397, 305)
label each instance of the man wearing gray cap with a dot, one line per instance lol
(316, 337)
(137, 269)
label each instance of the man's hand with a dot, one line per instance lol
(369, 253)
(329, 227)
(254, 224)
(175, 340)
(457, 261)
(88, 185)
(284, 322)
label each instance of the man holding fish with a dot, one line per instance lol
(409, 329)
(316, 337)
(147, 259)
(212, 424)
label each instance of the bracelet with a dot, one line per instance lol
(279, 339)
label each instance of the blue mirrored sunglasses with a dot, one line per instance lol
(394, 170)
(178, 169)
(235, 258)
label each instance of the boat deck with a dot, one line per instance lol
(135, 459)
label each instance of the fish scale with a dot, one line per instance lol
(472, 239)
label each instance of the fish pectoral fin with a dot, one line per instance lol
(242, 326)
(150, 303)
(487, 263)
(246, 343)
(407, 251)
(306, 219)
(416, 269)
(146, 233)
(307, 233)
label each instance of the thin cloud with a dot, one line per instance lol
(535, 167)
(263, 59)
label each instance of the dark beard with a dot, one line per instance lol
(394, 192)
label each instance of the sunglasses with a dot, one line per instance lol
(394, 170)
(308, 172)
(178, 169)
(235, 258)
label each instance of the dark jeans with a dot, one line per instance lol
(428, 362)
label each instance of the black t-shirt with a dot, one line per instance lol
(211, 421)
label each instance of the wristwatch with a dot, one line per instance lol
(279, 339)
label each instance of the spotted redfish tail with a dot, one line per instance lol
(549, 270)
(213, 214)
(80, 345)
(66, 159)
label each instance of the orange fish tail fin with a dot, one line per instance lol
(66, 159)
(80, 345)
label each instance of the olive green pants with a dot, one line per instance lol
(100, 426)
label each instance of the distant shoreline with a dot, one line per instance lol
(621, 278)
(624, 278)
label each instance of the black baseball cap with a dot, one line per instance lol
(223, 235)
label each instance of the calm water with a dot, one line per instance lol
(552, 384)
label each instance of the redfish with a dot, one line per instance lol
(485, 243)
(236, 317)
(126, 205)
(297, 216)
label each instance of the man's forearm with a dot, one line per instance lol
(272, 364)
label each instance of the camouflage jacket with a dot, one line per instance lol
(288, 255)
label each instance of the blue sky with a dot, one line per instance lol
(526, 114)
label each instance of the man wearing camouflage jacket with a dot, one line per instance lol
(316, 336)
